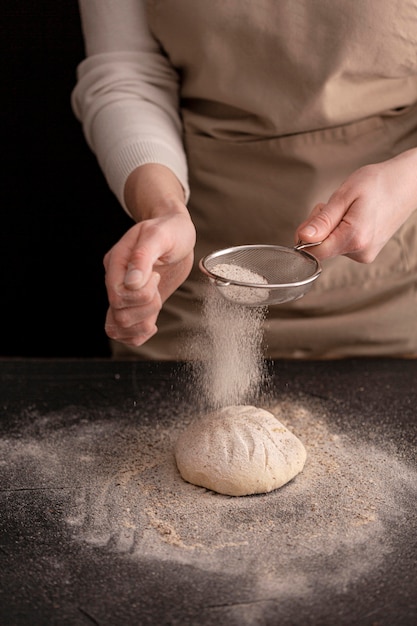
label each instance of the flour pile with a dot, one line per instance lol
(252, 296)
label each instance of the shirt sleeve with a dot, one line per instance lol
(127, 94)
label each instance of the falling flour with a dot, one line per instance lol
(226, 359)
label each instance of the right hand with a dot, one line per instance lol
(150, 261)
(365, 211)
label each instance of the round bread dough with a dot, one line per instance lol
(238, 451)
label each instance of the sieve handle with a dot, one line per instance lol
(302, 244)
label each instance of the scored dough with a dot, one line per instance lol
(239, 450)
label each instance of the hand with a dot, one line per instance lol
(365, 211)
(147, 264)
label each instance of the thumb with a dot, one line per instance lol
(134, 278)
(141, 263)
(321, 222)
(140, 267)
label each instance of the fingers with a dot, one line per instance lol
(130, 262)
(358, 219)
(133, 278)
(135, 290)
(332, 223)
(135, 322)
(322, 221)
(134, 336)
(143, 269)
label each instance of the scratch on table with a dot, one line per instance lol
(88, 616)
(15, 489)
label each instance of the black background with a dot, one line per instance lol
(58, 215)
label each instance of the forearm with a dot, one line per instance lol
(406, 176)
(153, 190)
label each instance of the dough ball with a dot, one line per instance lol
(238, 451)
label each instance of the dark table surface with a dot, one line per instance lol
(281, 558)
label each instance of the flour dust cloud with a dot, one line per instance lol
(227, 363)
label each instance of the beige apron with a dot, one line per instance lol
(281, 101)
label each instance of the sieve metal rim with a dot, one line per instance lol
(216, 254)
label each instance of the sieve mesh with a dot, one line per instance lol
(288, 272)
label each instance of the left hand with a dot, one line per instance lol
(365, 211)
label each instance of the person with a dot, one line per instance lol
(232, 122)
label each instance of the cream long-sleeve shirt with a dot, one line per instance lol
(126, 95)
